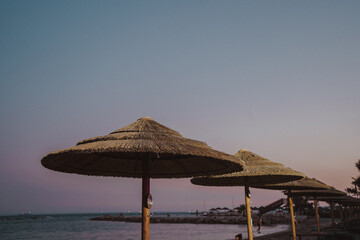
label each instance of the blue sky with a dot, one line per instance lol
(280, 78)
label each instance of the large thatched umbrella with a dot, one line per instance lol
(303, 184)
(330, 192)
(258, 170)
(144, 149)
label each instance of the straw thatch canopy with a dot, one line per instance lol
(302, 184)
(319, 193)
(258, 170)
(347, 200)
(123, 153)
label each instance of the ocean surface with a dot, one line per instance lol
(78, 226)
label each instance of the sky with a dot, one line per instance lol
(279, 78)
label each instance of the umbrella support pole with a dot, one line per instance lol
(145, 226)
(332, 214)
(317, 215)
(292, 217)
(346, 220)
(248, 212)
(341, 215)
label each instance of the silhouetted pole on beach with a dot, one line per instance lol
(332, 213)
(293, 228)
(346, 215)
(317, 214)
(145, 225)
(341, 215)
(248, 212)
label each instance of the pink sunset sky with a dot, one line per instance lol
(280, 79)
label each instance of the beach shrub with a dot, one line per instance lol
(354, 190)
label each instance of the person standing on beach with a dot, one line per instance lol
(258, 223)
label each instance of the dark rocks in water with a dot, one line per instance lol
(194, 220)
(267, 220)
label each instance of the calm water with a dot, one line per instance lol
(78, 226)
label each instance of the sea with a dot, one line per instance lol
(79, 227)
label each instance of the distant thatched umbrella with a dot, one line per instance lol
(144, 149)
(306, 187)
(330, 192)
(258, 170)
(341, 200)
(303, 184)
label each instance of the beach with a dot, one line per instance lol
(306, 230)
(307, 226)
(80, 227)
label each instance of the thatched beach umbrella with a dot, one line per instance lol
(258, 170)
(340, 200)
(144, 149)
(303, 184)
(306, 183)
(330, 192)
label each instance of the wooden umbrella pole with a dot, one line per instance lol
(248, 212)
(346, 215)
(341, 215)
(317, 214)
(145, 226)
(292, 215)
(332, 213)
(355, 213)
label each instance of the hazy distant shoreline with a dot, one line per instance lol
(267, 220)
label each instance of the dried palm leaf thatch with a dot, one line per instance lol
(347, 200)
(318, 193)
(302, 184)
(124, 152)
(258, 170)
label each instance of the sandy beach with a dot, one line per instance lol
(307, 229)
(304, 227)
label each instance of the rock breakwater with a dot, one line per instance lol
(193, 220)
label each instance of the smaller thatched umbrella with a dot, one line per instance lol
(303, 184)
(143, 149)
(258, 170)
(331, 192)
(306, 183)
(341, 200)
